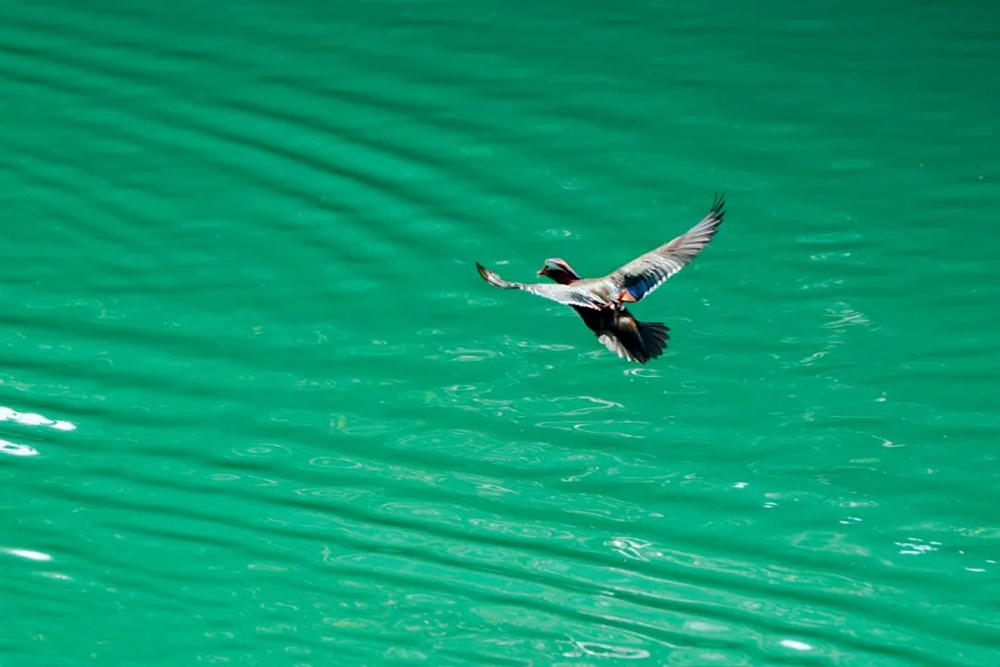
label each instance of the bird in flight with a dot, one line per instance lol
(600, 302)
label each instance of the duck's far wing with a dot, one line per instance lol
(647, 272)
(564, 294)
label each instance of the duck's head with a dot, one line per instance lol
(559, 271)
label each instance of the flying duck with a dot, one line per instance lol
(600, 302)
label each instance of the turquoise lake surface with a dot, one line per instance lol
(257, 407)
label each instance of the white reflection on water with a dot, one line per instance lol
(28, 419)
(15, 449)
(795, 645)
(32, 419)
(27, 553)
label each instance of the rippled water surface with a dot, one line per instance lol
(257, 406)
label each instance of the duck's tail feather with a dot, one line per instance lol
(654, 338)
(636, 341)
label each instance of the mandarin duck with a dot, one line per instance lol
(600, 302)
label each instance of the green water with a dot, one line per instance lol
(257, 407)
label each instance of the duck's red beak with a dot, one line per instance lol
(542, 271)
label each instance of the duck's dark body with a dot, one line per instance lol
(617, 328)
(624, 335)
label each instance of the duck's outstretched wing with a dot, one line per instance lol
(565, 294)
(647, 272)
